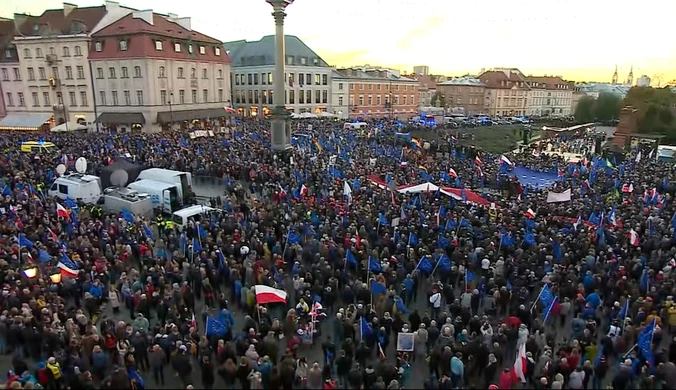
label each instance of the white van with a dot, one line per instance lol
(355, 126)
(180, 218)
(83, 188)
(164, 196)
(182, 180)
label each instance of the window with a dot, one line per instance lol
(111, 72)
(361, 87)
(139, 97)
(160, 74)
(8, 53)
(102, 96)
(180, 73)
(303, 61)
(269, 78)
(59, 98)
(270, 97)
(301, 79)
(318, 79)
(255, 78)
(10, 99)
(63, 189)
(163, 97)
(264, 97)
(55, 72)
(249, 79)
(17, 74)
(71, 97)
(194, 96)
(78, 51)
(125, 72)
(301, 97)
(31, 74)
(220, 95)
(69, 72)
(98, 46)
(308, 97)
(52, 51)
(203, 50)
(236, 79)
(137, 71)
(45, 99)
(190, 49)
(99, 73)
(177, 47)
(361, 100)
(5, 74)
(204, 73)
(325, 96)
(83, 98)
(127, 98)
(181, 96)
(36, 99)
(115, 101)
(256, 95)
(264, 78)
(66, 51)
(370, 100)
(217, 51)
(292, 97)
(220, 73)
(205, 96)
(325, 79)
(158, 45)
(318, 96)
(80, 72)
(340, 87)
(26, 53)
(403, 100)
(38, 53)
(123, 45)
(340, 100)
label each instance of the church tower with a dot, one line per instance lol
(630, 78)
(614, 81)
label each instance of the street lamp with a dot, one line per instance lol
(31, 272)
(55, 277)
(171, 111)
(280, 127)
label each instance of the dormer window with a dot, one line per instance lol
(218, 51)
(203, 50)
(177, 47)
(303, 61)
(190, 49)
(123, 45)
(158, 45)
(98, 46)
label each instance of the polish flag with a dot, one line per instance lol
(479, 172)
(530, 214)
(303, 190)
(53, 235)
(451, 172)
(282, 192)
(68, 270)
(381, 353)
(265, 294)
(505, 160)
(519, 369)
(477, 160)
(633, 238)
(357, 242)
(62, 212)
(628, 188)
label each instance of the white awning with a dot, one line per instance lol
(24, 121)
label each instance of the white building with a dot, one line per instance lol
(51, 82)
(308, 78)
(643, 81)
(340, 96)
(152, 71)
(549, 96)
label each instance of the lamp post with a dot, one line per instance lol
(55, 277)
(31, 272)
(280, 129)
(171, 111)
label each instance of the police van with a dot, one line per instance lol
(181, 217)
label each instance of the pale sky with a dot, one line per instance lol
(577, 39)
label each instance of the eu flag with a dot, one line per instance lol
(23, 241)
(196, 246)
(374, 265)
(293, 238)
(366, 330)
(215, 327)
(444, 262)
(546, 297)
(350, 259)
(645, 340)
(425, 265)
(377, 288)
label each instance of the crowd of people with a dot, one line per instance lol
(385, 289)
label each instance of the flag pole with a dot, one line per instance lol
(500, 243)
(435, 266)
(626, 313)
(538, 297)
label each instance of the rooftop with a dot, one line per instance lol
(262, 52)
(503, 78)
(66, 21)
(373, 74)
(549, 82)
(463, 81)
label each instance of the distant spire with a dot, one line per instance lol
(630, 78)
(614, 81)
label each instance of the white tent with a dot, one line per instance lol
(295, 116)
(327, 114)
(68, 126)
(424, 187)
(308, 115)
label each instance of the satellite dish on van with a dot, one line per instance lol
(60, 169)
(81, 165)
(119, 178)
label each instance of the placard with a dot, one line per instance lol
(405, 342)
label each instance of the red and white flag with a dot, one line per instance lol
(520, 364)
(303, 190)
(633, 238)
(53, 235)
(505, 160)
(193, 323)
(530, 214)
(381, 353)
(479, 171)
(266, 294)
(452, 173)
(628, 188)
(477, 160)
(62, 212)
(282, 192)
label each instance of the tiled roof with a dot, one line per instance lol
(503, 79)
(373, 74)
(548, 82)
(55, 21)
(262, 52)
(130, 25)
(426, 80)
(463, 81)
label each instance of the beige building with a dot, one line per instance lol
(51, 82)
(153, 72)
(340, 95)
(463, 94)
(549, 96)
(506, 92)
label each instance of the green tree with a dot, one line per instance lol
(438, 100)
(607, 107)
(584, 111)
(655, 110)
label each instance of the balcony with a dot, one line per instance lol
(51, 59)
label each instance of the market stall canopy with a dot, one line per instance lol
(68, 126)
(24, 121)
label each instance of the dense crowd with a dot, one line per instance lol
(386, 289)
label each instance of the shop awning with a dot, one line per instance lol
(188, 115)
(24, 121)
(123, 118)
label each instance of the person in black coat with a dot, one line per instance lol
(208, 377)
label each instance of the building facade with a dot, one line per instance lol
(506, 92)
(308, 77)
(153, 72)
(549, 96)
(8, 57)
(463, 94)
(379, 93)
(421, 70)
(50, 83)
(339, 95)
(643, 81)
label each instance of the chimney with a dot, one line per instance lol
(146, 15)
(19, 20)
(172, 17)
(185, 23)
(68, 8)
(112, 6)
